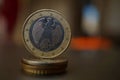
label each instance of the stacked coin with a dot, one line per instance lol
(46, 35)
(44, 66)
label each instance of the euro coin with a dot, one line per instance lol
(45, 61)
(43, 72)
(44, 66)
(46, 34)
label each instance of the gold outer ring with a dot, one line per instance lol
(26, 39)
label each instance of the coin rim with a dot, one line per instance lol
(43, 67)
(43, 72)
(45, 61)
(42, 63)
(26, 45)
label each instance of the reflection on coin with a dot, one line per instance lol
(45, 61)
(46, 33)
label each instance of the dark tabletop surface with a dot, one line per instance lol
(83, 65)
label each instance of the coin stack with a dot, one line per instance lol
(44, 66)
(46, 35)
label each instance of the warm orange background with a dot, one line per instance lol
(90, 43)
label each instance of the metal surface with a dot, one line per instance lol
(43, 72)
(45, 61)
(44, 66)
(46, 33)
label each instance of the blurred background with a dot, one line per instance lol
(94, 23)
(95, 43)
